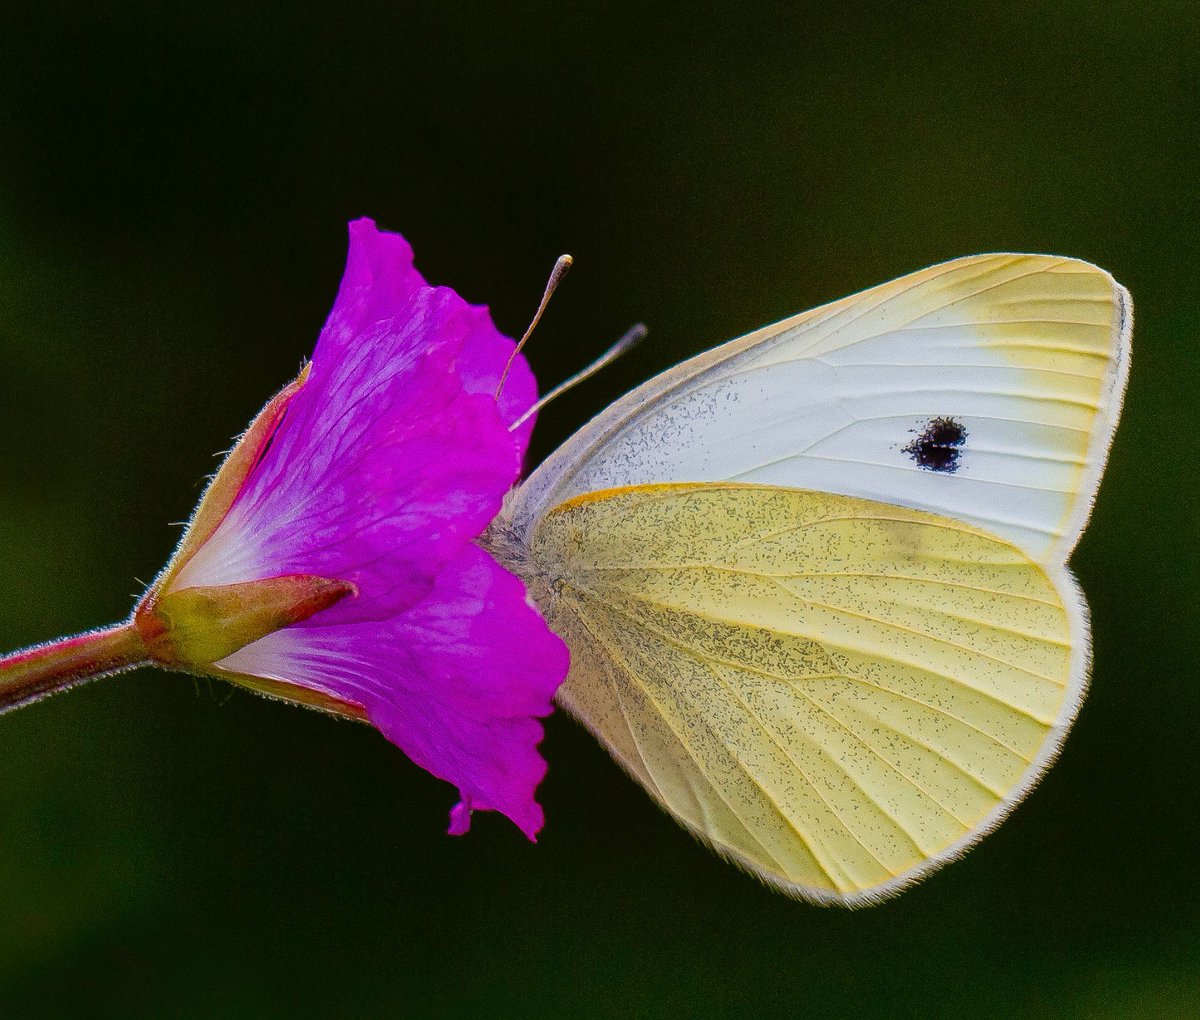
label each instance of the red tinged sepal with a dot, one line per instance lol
(196, 627)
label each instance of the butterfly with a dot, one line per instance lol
(814, 582)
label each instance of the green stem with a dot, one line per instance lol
(33, 673)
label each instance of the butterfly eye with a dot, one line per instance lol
(939, 445)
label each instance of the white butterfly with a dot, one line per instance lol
(814, 581)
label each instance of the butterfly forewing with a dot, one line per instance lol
(985, 389)
(838, 693)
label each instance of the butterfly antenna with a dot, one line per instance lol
(556, 274)
(632, 338)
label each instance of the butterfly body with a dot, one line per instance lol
(814, 581)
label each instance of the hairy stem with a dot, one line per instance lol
(33, 673)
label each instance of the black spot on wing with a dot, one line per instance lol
(939, 446)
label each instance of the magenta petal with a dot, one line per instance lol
(378, 281)
(457, 681)
(381, 470)
(485, 355)
(460, 819)
(394, 455)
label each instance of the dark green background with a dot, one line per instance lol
(174, 184)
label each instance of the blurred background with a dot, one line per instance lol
(175, 180)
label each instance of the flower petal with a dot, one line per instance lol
(457, 681)
(385, 464)
(377, 282)
(392, 454)
(484, 358)
(380, 487)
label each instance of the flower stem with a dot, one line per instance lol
(33, 673)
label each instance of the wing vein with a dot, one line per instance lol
(620, 659)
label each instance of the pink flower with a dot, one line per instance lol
(332, 561)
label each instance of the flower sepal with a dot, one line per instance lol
(193, 629)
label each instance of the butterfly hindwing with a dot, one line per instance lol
(838, 693)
